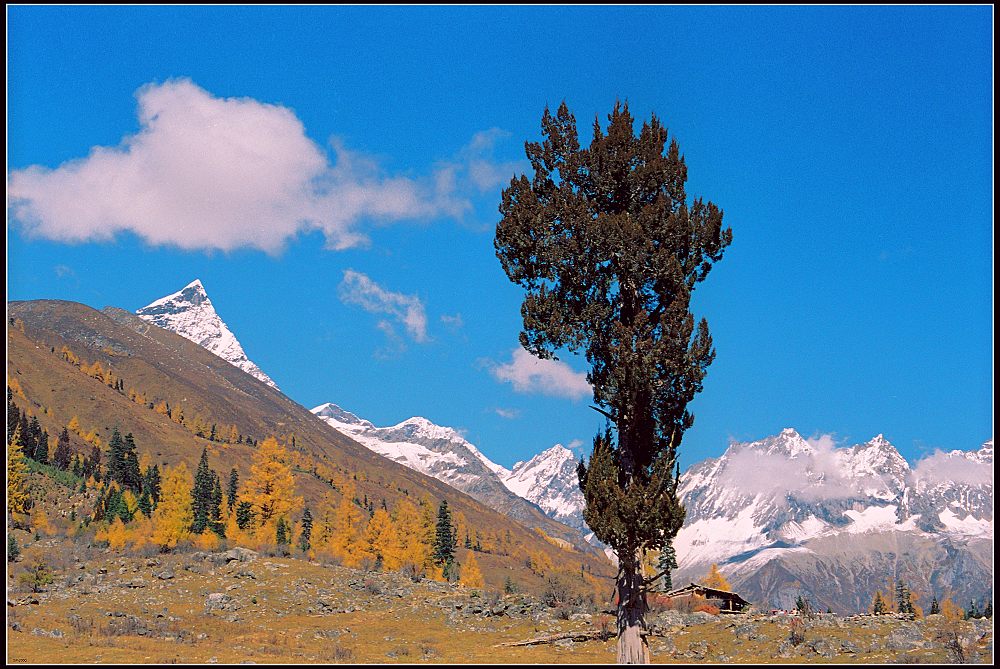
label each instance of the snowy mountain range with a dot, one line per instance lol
(189, 313)
(784, 516)
(442, 452)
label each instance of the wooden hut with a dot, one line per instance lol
(731, 602)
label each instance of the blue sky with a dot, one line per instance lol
(850, 148)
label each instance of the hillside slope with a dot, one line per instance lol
(161, 366)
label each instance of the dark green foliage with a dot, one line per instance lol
(306, 534)
(444, 537)
(903, 600)
(878, 604)
(282, 532)
(234, 481)
(13, 550)
(42, 448)
(608, 251)
(116, 457)
(509, 587)
(935, 607)
(92, 464)
(988, 611)
(215, 507)
(151, 483)
(63, 454)
(468, 541)
(146, 504)
(973, 611)
(203, 496)
(666, 563)
(244, 514)
(131, 476)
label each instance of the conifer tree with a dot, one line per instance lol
(935, 607)
(244, 515)
(234, 482)
(215, 521)
(62, 456)
(666, 563)
(18, 499)
(201, 495)
(281, 533)
(173, 516)
(32, 442)
(988, 611)
(878, 604)
(42, 448)
(151, 483)
(131, 476)
(444, 537)
(608, 250)
(116, 457)
(306, 533)
(13, 549)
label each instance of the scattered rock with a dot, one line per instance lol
(217, 600)
(165, 575)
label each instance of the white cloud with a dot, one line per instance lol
(529, 374)
(509, 414)
(356, 288)
(454, 322)
(953, 468)
(205, 172)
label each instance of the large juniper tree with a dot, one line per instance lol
(608, 250)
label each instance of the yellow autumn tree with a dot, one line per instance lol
(271, 486)
(173, 515)
(40, 521)
(117, 535)
(18, 499)
(324, 523)
(347, 541)
(414, 551)
(382, 542)
(74, 425)
(715, 579)
(471, 575)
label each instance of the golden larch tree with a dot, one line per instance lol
(174, 515)
(18, 499)
(413, 548)
(715, 579)
(347, 540)
(271, 486)
(471, 574)
(382, 542)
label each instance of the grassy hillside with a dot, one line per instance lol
(151, 367)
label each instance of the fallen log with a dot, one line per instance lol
(582, 635)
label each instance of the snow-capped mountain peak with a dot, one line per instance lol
(339, 415)
(189, 312)
(549, 480)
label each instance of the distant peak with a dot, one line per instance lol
(196, 284)
(879, 440)
(789, 432)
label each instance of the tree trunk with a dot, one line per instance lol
(632, 646)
